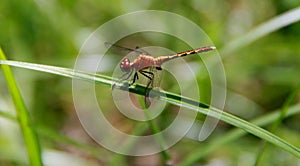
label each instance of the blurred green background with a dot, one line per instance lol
(260, 75)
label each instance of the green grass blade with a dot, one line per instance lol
(235, 134)
(155, 129)
(104, 80)
(266, 28)
(30, 137)
(276, 124)
(173, 99)
(7, 115)
(53, 135)
(118, 159)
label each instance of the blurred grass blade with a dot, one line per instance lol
(291, 98)
(266, 28)
(276, 124)
(7, 115)
(170, 98)
(54, 135)
(119, 159)
(234, 134)
(30, 137)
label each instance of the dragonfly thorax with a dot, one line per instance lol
(125, 65)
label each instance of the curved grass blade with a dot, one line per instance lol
(264, 29)
(53, 135)
(30, 137)
(234, 134)
(170, 98)
(283, 112)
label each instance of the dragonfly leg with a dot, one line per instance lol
(158, 68)
(147, 88)
(125, 76)
(147, 91)
(144, 73)
(129, 74)
(150, 76)
(135, 77)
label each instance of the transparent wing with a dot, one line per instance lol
(155, 83)
(121, 49)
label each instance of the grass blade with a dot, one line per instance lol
(235, 134)
(30, 136)
(276, 124)
(266, 28)
(170, 98)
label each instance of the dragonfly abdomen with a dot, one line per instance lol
(160, 60)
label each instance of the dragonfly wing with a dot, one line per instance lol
(121, 49)
(157, 71)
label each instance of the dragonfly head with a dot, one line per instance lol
(125, 65)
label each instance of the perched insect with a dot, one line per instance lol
(146, 61)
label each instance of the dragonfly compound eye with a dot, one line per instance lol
(125, 65)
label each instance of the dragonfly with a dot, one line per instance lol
(148, 65)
